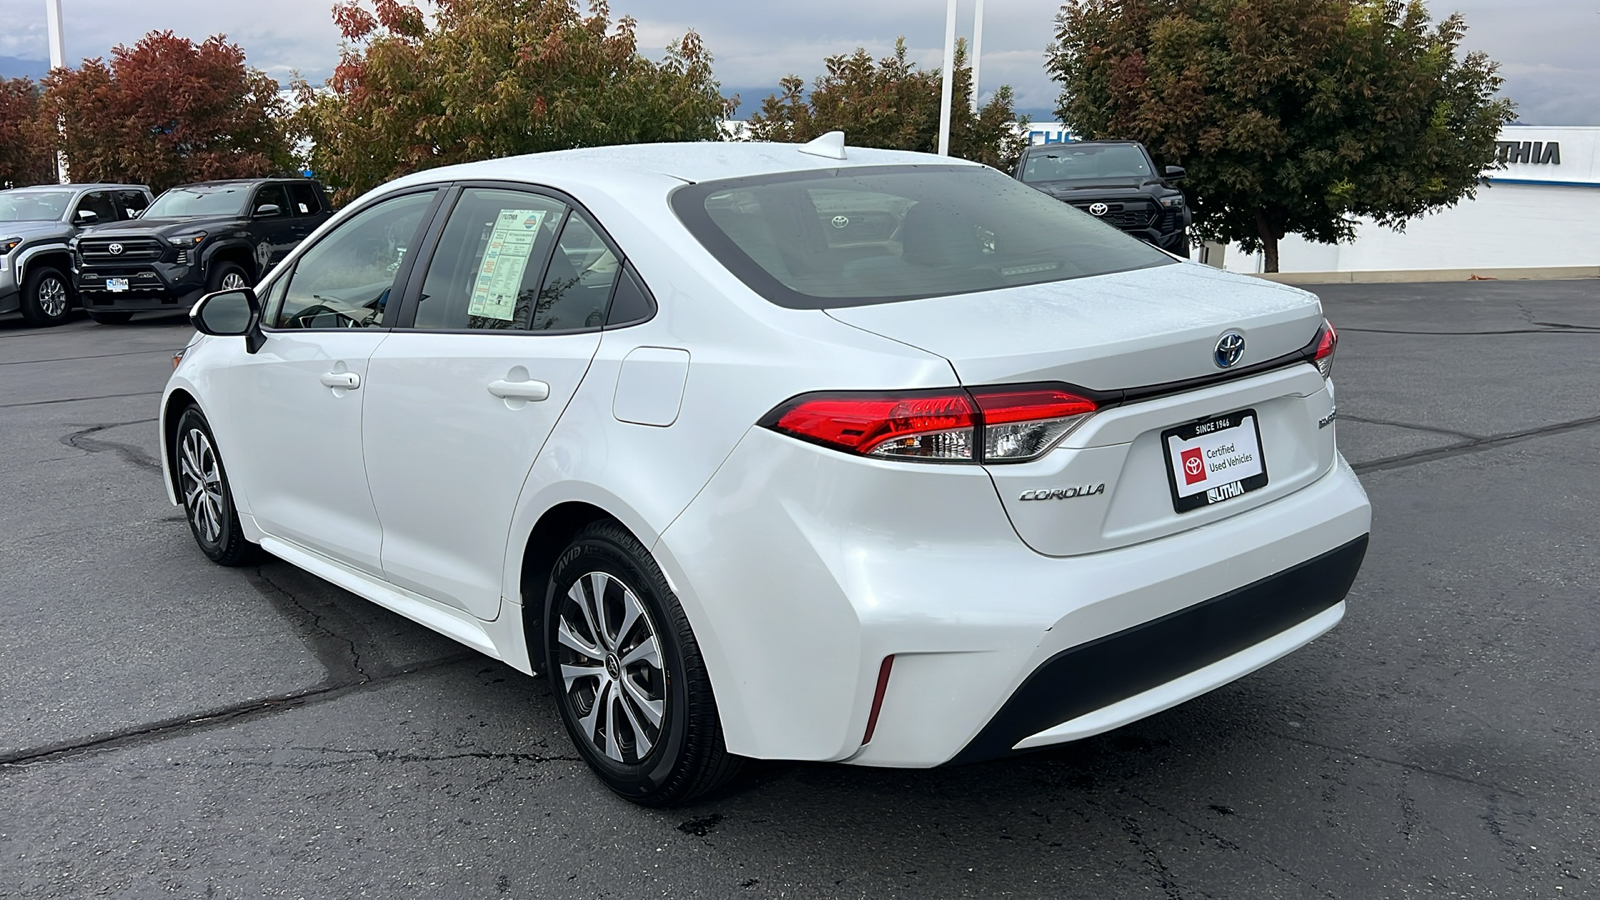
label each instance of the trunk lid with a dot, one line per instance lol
(1111, 482)
(1110, 332)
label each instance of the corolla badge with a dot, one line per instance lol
(1098, 209)
(1230, 349)
(115, 249)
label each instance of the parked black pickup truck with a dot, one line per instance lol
(1116, 182)
(194, 239)
(35, 225)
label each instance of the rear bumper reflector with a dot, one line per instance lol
(877, 699)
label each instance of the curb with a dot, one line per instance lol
(1418, 275)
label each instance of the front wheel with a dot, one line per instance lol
(627, 673)
(45, 296)
(226, 277)
(207, 499)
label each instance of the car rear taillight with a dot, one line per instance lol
(1326, 342)
(990, 424)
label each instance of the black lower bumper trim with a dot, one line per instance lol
(1104, 671)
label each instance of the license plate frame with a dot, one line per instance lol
(116, 285)
(1210, 434)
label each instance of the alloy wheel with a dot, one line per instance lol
(611, 669)
(233, 281)
(200, 479)
(53, 297)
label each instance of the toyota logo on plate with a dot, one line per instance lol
(1098, 209)
(116, 249)
(1230, 347)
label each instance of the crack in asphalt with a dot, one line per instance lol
(1234, 846)
(382, 755)
(207, 720)
(1476, 445)
(1549, 328)
(1413, 767)
(49, 359)
(134, 456)
(79, 399)
(1448, 432)
(339, 655)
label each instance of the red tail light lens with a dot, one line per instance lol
(929, 426)
(1005, 424)
(1327, 341)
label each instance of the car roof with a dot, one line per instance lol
(80, 186)
(690, 162)
(240, 182)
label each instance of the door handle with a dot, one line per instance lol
(347, 380)
(520, 390)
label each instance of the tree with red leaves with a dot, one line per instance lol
(24, 151)
(168, 111)
(492, 78)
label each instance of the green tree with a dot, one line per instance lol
(891, 104)
(492, 78)
(167, 111)
(1291, 116)
(25, 155)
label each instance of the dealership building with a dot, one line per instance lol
(1541, 210)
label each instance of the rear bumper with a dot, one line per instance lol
(802, 569)
(1180, 651)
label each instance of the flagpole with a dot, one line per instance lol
(977, 52)
(58, 58)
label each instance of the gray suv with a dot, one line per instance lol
(36, 224)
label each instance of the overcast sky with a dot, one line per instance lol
(1546, 48)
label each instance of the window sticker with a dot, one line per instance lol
(505, 259)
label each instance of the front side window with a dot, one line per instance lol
(271, 195)
(485, 273)
(99, 203)
(345, 280)
(132, 203)
(200, 200)
(859, 236)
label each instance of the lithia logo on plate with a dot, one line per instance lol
(1085, 490)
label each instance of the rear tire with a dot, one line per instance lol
(627, 673)
(206, 496)
(46, 297)
(111, 318)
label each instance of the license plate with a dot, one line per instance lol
(116, 285)
(1214, 460)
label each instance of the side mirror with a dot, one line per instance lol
(1176, 173)
(87, 215)
(228, 314)
(267, 210)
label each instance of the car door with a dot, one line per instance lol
(493, 343)
(295, 405)
(272, 228)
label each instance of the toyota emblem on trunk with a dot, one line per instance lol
(1098, 209)
(1230, 347)
(116, 249)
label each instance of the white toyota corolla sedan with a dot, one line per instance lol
(780, 451)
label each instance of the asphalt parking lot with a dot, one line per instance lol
(168, 727)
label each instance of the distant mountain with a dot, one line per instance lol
(12, 67)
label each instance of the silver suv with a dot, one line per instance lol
(36, 224)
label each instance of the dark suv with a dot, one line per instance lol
(194, 239)
(1114, 181)
(36, 224)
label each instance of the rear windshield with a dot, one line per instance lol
(1085, 162)
(181, 202)
(860, 236)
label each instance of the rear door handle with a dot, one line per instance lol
(520, 390)
(347, 380)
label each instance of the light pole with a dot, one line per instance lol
(977, 52)
(58, 58)
(946, 89)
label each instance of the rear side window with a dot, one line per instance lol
(303, 200)
(861, 236)
(485, 273)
